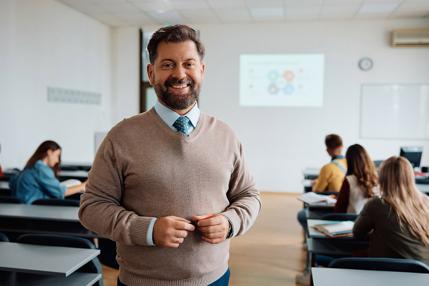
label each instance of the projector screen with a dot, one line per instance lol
(281, 80)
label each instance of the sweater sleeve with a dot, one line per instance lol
(343, 198)
(365, 223)
(100, 208)
(244, 198)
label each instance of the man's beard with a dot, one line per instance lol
(174, 101)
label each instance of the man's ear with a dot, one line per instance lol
(150, 74)
(203, 69)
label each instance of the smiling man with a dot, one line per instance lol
(170, 185)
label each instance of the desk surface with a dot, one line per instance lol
(73, 174)
(52, 213)
(40, 259)
(351, 277)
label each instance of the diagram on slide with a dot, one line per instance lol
(281, 80)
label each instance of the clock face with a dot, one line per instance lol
(365, 64)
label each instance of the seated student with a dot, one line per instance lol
(38, 179)
(398, 222)
(360, 183)
(331, 175)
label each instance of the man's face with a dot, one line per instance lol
(177, 74)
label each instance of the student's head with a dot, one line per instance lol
(334, 145)
(176, 68)
(361, 166)
(49, 152)
(399, 190)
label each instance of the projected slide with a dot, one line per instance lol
(281, 80)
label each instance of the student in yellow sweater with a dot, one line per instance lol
(332, 174)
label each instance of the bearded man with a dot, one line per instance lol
(170, 185)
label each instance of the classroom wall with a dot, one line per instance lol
(280, 142)
(126, 79)
(45, 43)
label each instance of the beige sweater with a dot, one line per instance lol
(143, 169)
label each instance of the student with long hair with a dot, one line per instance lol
(38, 179)
(398, 221)
(360, 183)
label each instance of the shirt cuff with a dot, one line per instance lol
(149, 234)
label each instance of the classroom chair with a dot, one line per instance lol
(381, 264)
(340, 216)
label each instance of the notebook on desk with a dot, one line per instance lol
(337, 229)
(313, 198)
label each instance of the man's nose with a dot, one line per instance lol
(179, 72)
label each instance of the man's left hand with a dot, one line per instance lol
(213, 227)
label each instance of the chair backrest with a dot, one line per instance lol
(340, 216)
(3, 237)
(93, 266)
(381, 263)
(56, 202)
(10, 200)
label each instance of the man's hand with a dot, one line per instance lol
(170, 231)
(213, 227)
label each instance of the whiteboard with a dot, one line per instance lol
(395, 111)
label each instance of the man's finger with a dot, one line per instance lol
(215, 220)
(177, 218)
(214, 235)
(180, 234)
(201, 217)
(181, 225)
(213, 241)
(212, 229)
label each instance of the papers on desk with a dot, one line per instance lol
(337, 229)
(71, 183)
(313, 198)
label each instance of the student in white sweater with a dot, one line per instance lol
(360, 183)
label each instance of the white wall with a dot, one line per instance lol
(280, 142)
(125, 57)
(44, 43)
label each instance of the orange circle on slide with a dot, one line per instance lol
(288, 75)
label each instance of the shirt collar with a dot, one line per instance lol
(337, 157)
(169, 116)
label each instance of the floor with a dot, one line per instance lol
(270, 254)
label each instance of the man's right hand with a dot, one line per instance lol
(170, 231)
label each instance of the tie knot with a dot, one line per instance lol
(183, 125)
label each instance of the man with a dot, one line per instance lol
(170, 185)
(331, 175)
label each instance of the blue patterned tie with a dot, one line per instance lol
(183, 125)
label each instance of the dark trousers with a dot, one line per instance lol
(222, 281)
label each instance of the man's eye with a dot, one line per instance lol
(190, 65)
(167, 65)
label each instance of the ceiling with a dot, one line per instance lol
(117, 13)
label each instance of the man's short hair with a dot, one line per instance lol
(333, 141)
(173, 34)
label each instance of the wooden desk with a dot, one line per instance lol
(351, 277)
